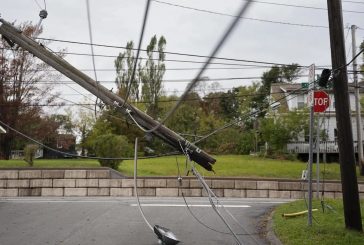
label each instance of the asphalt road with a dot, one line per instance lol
(114, 221)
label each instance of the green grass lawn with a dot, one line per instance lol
(226, 166)
(327, 228)
(51, 163)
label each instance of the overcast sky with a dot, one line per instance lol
(114, 22)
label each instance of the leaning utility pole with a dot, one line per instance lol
(342, 107)
(359, 127)
(12, 34)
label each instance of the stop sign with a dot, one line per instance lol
(321, 101)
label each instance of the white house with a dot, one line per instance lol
(292, 96)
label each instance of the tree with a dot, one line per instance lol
(230, 104)
(286, 73)
(290, 72)
(151, 74)
(20, 90)
(278, 130)
(124, 65)
(111, 146)
(82, 124)
(187, 118)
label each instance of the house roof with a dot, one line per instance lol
(290, 87)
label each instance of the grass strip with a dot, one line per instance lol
(328, 227)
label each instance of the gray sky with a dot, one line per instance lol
(114, 22)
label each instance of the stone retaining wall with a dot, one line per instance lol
(105, 182)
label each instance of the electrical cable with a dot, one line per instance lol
(182, 80)
(79, 156)
(218, 203)
(254, 113)
(42, 14)
(135, 184)
(167, 52)
(92, 54)
(208, 135)
(36, 2)
(193, 83)
(138, 51)
(324, 172)
(356, 2)
(202, 100)
(206, 187)
(55, 53)
(246, 18)
(179, 179)
(125, 158)
(304, 6)
(209, 193)
(209, 227)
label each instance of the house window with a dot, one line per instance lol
(335, 134)
(300, 102)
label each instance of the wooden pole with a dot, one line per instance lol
(343, 118)
(105, 95)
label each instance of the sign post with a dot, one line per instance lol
(311, 80)
(321, 103)
(318, 101)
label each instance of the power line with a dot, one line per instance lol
(356, 2)
(255, 113)
(241, 67)
(166, 52)
(201, 99)
(301, 6)
(182, 80)
(247, 18)
(197, 78)
(138, 52)
(91, 39)
(80, 156)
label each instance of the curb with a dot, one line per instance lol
(270, 235)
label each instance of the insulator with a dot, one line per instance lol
(43, 14)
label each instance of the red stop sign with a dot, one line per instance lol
(321, 101)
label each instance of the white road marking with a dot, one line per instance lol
(190, 205)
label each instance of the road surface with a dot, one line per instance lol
(114, 221)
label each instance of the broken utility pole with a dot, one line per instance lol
(11, 33)
(343, 120)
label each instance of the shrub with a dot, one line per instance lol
(29, 153)
(111, 146)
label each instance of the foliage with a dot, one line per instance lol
(278, 130)
(102, 126)
(187, 118)
(29, 153)
(21, 93)
(82, 124)
(328, 228)
(230, 104)
(286, 73)
(151, 74)
(111, 146)
(124, 65)
(290, 72)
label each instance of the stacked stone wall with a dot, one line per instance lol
(105, 182)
